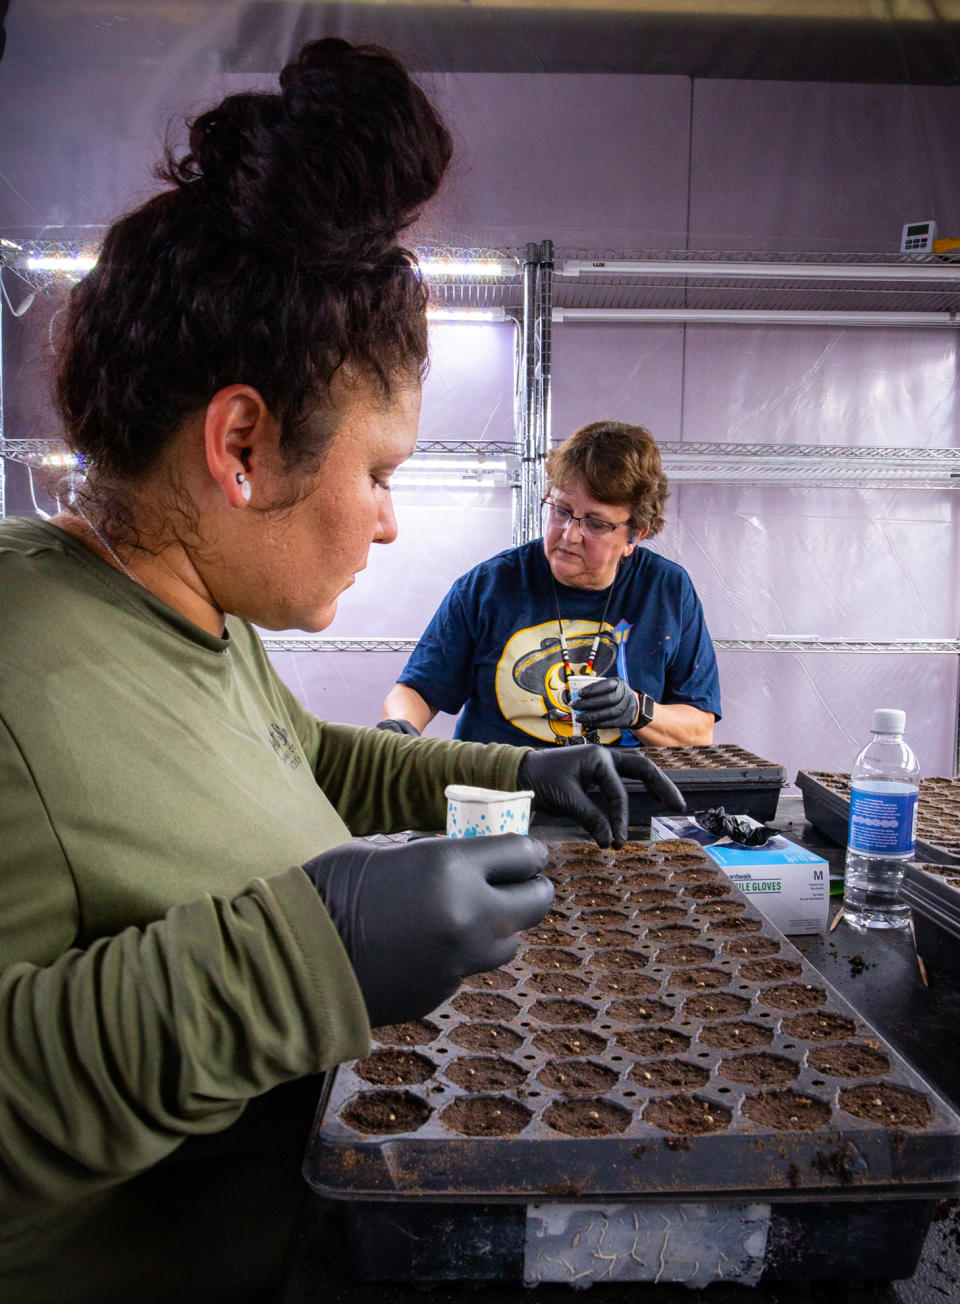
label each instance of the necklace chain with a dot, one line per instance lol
(97, 535)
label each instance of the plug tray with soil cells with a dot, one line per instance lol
(655, 1042)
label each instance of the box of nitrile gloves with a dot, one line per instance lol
(789, 884)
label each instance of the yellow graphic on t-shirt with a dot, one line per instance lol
(531, 680)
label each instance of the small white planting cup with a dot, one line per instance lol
(574, 684)
(476, 812)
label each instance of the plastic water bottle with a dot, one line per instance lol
(884, 785)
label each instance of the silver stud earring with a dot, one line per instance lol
(246, 488)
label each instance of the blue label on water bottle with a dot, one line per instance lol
(883, 822)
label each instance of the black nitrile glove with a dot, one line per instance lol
(417, 917)
(606, 704)
(560, 777)
(398, 726)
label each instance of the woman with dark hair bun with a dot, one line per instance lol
(188, 935)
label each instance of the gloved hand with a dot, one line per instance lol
(417, 917)
(606, 704)
(398, 726)
(560, 776)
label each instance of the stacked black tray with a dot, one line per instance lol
(718, 775)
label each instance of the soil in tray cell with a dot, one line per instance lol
(721, 909)
(485, 1036)
(787, 1111)
(705, 891)
(668, 1074)
(618, 958)
(561, 1011)
(586, 1117)
(569, 1041)
(653, 1041)
(380, 1112)
(752, 947)
(552, 957)
(886, 1104)
(770, 971)
(608, 937)
(740, 1034)
(725, 927)
(761, 1070)
(699, 979)
(558, 984)
(604, 918)
(548, 935)
(675, 956)
(627, 984)
(566, 1076)
(628, 865)
(485, 1005)
(673, 934)
(418, 1032)
(661, 914)
(574, 868)
(792, 996)
(820, 1026)
(719, 1005)
(394, 1068)
(589, 849)
(639, 1010)
(486, 1116)
(496, 980)
(696, 874)
(595, 892)
(848, 1061)
(672, 847)
(641, 882)
(685, 1115)
(483, 1073)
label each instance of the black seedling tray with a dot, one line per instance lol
(826, 804)
(589, 1055)
(722, 775)
(933, 893)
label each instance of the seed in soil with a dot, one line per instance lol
(493, 979)
(552, 957)
(753, 947)
(417, 1032)
(394, 1067)
(486, 1036)
(608, 937)
(848, 1061)
(725, 927)
(569, 1041)
(696, 874)
(674, 934)
(738, 1035)
(561, 1011)
(768, 971)
(786, 1111)
(639, 1010)
(618, 958)
(586, 1117)
(485, 1005)
(484, 1073)
(685, 1115)
(884, 1103)
(568, 1076)
(379, 1112)
(672, 847)
(681, 955)
(706, 891)
(792, 996)
(486, 1116)
(660, 915)
(558, 984)
(652, 1041)
(546, 937)
(820, 1026)
(700, 979)
(594, 898)
(724, 908)
(641, 882)
(760, 1070)
(668, 1074)
(627, 984)
(651, 896)
(720, 1005)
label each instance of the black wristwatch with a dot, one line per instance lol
(647, 705)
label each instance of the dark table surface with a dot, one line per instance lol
(879, 975)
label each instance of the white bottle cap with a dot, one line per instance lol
(888, 720)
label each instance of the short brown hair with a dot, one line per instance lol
(617, 464)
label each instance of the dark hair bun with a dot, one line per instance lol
(349, 151)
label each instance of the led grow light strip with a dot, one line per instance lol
(61, 263)
(442, 315)
(760, 316)
(466, 267)
(751, 271)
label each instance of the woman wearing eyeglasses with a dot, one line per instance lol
(587, 598)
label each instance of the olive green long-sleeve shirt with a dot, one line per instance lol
(163, 958)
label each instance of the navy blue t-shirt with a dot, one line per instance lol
(493, 646)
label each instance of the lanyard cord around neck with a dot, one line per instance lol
(596, 642)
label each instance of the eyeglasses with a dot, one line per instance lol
(591, 527)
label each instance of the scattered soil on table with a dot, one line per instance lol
(495, 979)
(722, 1005)
(883, 1103)
(569, 1041)
(769, 971)
(591, 897)
(705, 891)
(641, 882)
(485, 1005)
(752, 946)
(561, 1011)
(738, 1035)
(819, 1027)
(787, 1111)
(699, 979)
(652, 1041)
(760, 1070)
(379, 1112)
(638, 1010)
(792, 996)
(552, 957)
(675, 956)
(848, 1061)
(858, 965)
(577, 1075)
(547, 936)
(687, 1115)
(483, 1073)
(485, 1036)
(586, 1117)
(418, 1032)
(627, 983)
(664, 1075)
(486, 1116)
(558, 984)
(392, 1067)
(619, 958)
(715, 909)
(724, 927)
(674, 934)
